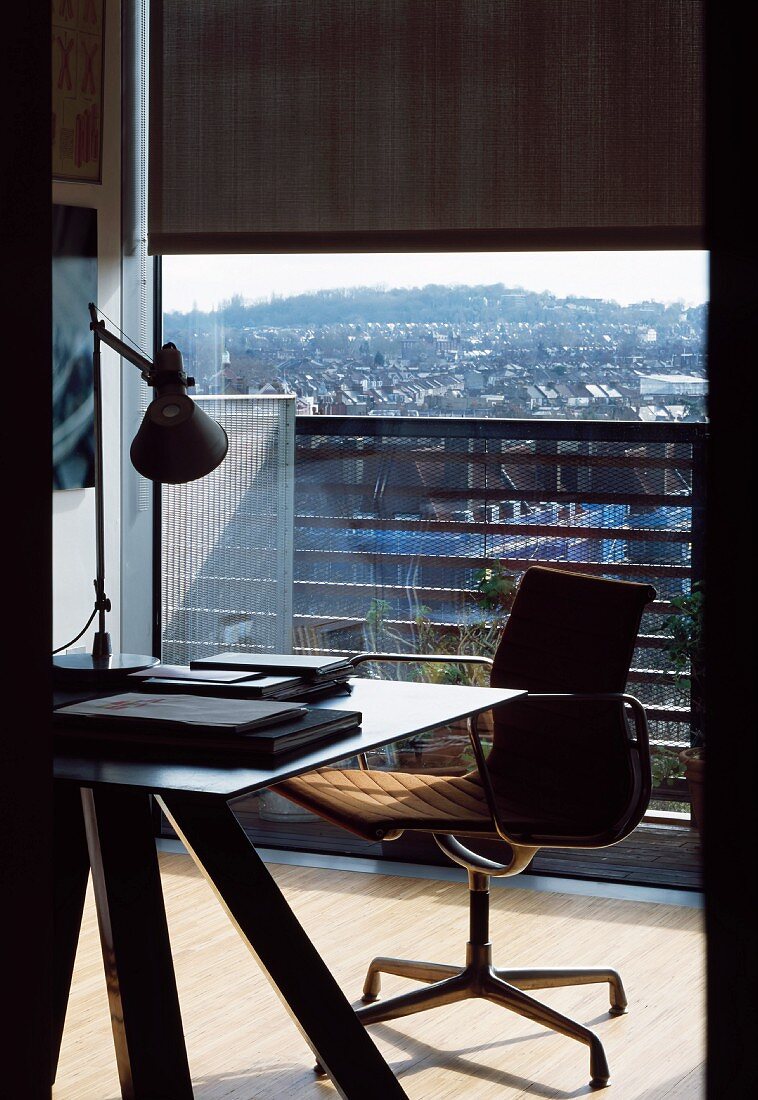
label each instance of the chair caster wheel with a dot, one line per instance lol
(369, 998)
(319, 1070)
(618, 1010)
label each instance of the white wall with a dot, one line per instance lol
(73, 509)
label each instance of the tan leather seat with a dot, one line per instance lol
(379, 805)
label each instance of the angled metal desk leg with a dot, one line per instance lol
(71, 872)
(260, 913)
(139, 970)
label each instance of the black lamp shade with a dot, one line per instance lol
(177, 441)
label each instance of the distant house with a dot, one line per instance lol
(572, 395)
(536, 397)
(603, 394)
(541, 394)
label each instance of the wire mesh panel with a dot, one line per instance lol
(400, 526)
(227, 539)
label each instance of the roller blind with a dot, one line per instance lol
(349, 124)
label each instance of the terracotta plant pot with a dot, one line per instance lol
(694, 770)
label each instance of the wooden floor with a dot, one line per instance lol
(243, 1046)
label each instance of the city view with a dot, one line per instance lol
(452, 350)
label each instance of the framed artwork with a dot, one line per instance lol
(77, 42)
(74, 287)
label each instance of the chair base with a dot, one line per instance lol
(479, 978)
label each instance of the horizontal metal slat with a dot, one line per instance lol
(644, 570)
(455, 527)
(494, 495)
(485, 459)
(454, 427)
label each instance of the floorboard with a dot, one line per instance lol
(243, 1046)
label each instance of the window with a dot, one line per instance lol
(504, 409)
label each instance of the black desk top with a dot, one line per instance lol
(391, 711)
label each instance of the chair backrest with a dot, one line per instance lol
(570, 765)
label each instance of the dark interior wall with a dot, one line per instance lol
(25, 826)
(730, 571)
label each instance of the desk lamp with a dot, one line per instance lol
(176, 442)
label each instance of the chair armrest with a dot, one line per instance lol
(642, 743)
(638, 711)
(484, 775)
(420, 659)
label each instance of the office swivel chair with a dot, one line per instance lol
(565, 771)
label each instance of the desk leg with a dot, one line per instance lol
(139, 971)
(265, 921)
(71, 871)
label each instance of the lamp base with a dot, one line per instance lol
(86, 666)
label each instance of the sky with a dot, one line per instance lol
(206, 281)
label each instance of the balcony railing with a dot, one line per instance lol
(378, 538)
(394, 517)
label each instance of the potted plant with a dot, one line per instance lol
(686, 651)
(478, 633)
(667, 770)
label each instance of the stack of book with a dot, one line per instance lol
(261, 730)
(308, 666)
(251, 676)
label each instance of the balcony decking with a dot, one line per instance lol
(658, 855)
(243, 1046)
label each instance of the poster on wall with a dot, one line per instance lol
(74, 287)
(77, 40)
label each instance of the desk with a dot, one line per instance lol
(103, 822)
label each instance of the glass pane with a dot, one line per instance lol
(452, 433)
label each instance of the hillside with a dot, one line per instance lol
(429, 305)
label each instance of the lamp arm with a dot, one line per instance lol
(130, 354)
